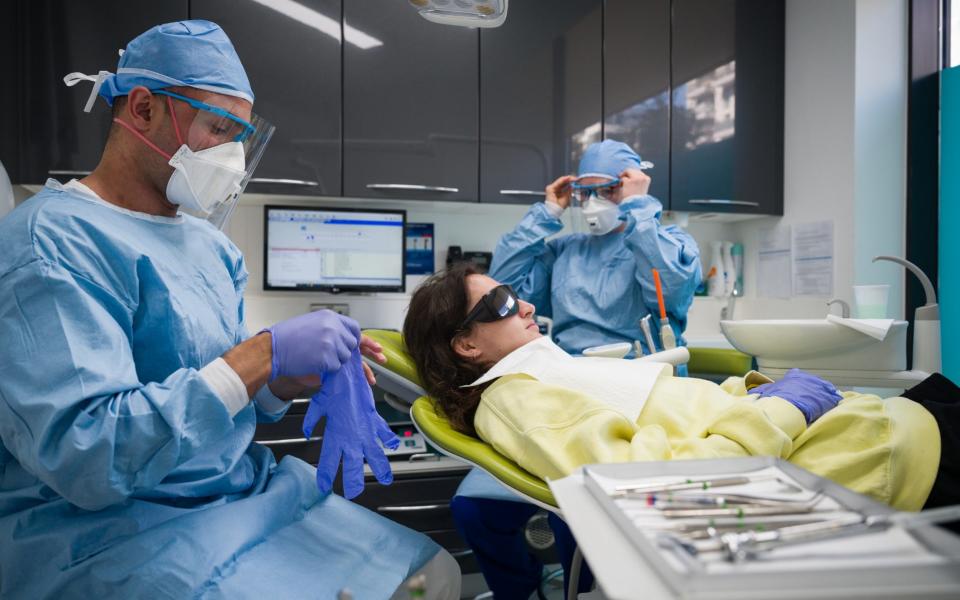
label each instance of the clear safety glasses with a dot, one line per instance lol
(606, 190)
(216, 123)
(499, 303)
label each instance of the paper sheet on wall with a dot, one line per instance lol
(773, 273)
(813, 259)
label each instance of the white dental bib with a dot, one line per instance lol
(622, 384)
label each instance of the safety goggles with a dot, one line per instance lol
(499, 303)
(215, 123)
(606, 190)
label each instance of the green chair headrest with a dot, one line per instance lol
(394, 349)
(439, 432)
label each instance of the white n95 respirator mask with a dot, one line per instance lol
(601, 216)
(203, 180)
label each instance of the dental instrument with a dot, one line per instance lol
(679, 500)
(687, 484)
(746, 545)
(667, 339)
(740, 511)
(700, 484)
(647, 333)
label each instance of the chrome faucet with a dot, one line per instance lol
(844, 307)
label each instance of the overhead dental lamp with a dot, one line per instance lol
(463, 13)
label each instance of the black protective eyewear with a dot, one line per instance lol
(499, 303)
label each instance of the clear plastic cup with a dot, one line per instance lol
(871, 301)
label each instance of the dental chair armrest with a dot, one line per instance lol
(674, 356)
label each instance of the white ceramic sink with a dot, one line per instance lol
(817, 344)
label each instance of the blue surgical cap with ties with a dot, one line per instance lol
(194, 54)
(608, 158)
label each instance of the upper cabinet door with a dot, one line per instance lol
(409, 105)
(637, 83)
(541, 88)
(10, 98)
(727, 120)
(61, 37)
(291, 53)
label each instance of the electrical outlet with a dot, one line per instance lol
(343, 309)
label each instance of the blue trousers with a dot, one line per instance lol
(494, 531)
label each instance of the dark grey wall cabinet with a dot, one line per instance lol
(409, 104)
(408, 109)
(540, 96)
(727, 120)
(293, 63)
(637, 83)
(10, 96)
(60, 37)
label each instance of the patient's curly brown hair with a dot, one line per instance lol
(437, 309)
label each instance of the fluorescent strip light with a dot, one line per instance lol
(321, 23)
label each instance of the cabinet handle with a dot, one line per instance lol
(301, 182)
(415, 508)
(725, 202)
(412, 186)
(423, 456)
(288, 441)
(461, 553)
(521, 193)
(68, 172)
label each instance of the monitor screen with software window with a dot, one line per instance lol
(334, 249)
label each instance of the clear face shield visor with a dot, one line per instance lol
(219, 152)
(220, 148)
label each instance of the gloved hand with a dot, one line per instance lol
(812, 395)
(352, 430)
(312, 344)
(634, 183)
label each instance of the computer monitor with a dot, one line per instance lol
(334, 249)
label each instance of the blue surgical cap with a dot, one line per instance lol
(194, 54)
(608, 158)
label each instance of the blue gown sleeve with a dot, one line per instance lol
(240, 277)
(524, 259)
(72, 408)
(670, 250)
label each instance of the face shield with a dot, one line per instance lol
(219, 152)
(220, 148)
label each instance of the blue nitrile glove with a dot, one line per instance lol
(352, 430)
(812, 395)
(315, 343)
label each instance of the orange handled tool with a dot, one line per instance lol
(656, 282)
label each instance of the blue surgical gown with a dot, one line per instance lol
(122, 474)
(597, 287)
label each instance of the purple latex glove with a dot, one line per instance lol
(315, 343)
(812, 395)
(352, 429)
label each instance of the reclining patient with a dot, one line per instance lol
(481, 356)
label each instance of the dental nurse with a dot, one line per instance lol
(596, 286)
